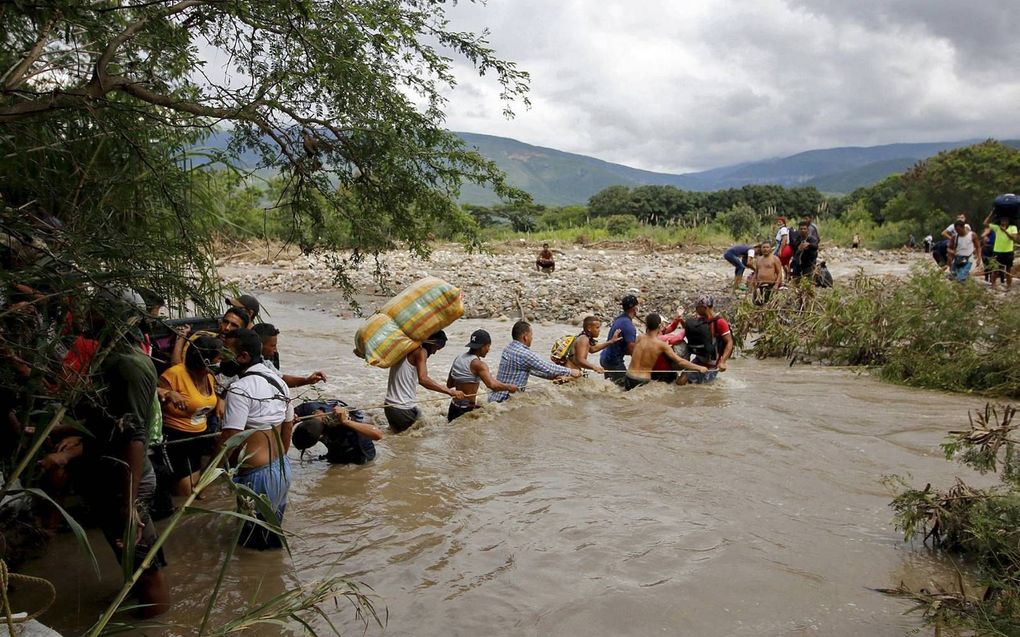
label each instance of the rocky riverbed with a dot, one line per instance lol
(503, 281)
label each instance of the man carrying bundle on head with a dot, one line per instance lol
(402, 390)
(467, 373)
(647, 350)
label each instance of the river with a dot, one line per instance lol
(749, 507)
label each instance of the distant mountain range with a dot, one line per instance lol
(556, 178)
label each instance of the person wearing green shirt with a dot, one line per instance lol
(1002, 252)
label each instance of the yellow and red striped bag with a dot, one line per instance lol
(406, 320)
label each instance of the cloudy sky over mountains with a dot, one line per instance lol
(676, 86)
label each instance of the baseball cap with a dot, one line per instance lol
(629, 301)
(246, 301)
(705, 300)
(479, 338)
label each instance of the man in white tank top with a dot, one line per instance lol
(401, 406)
(964, 251)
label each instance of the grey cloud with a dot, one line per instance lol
(651, 86)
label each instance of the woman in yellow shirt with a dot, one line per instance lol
(190, 398)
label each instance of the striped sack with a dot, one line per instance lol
(406, 320)
(381, 342)
(425, 307)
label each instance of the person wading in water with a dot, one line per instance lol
(467, 373)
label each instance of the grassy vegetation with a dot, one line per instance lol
(835, 232)
(923, 331)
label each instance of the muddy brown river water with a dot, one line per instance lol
(751, 507)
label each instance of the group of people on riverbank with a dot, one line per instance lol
(990, 254)
(793, 254)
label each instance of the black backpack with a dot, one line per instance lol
(823, 278)
(701, 339)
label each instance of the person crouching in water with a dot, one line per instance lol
(468, 372)
(647, 350)
(258, 401)
(348, 434)
(768, 271)
(587, 343)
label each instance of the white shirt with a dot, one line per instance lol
(783, 232)
(965, 245)
(252, 402)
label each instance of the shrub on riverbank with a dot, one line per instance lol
(923, 331)
(981, 525)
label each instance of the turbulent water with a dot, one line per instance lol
(751, 507)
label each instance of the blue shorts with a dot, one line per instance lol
(699, 379)
(961, 268)
(738, 264)
(271, 481)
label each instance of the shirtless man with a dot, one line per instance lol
(468, 372)
(545, 261)
(768, 271)
(587, 343)
(647, 350)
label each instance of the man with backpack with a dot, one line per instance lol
(258, 401)
(709, 339)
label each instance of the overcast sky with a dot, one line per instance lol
(682, 85)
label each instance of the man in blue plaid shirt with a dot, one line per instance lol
(518, 362)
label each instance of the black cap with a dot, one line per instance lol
(246, 301)
(629, 301)
(479, 338)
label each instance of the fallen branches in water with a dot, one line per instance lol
(983, 525)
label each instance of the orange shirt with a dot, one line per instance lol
(193, 418)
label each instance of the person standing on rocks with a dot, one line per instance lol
(611, 358)
(768, 277)
(1002, 252)
(964, 251)
(469, 371)
(546, 261)
(518, 362)
(401, 406)
(805, 251)
(738, 256)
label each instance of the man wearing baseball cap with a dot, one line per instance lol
(709, 339)
(468, 371)
(248, 303)
(611, 358)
